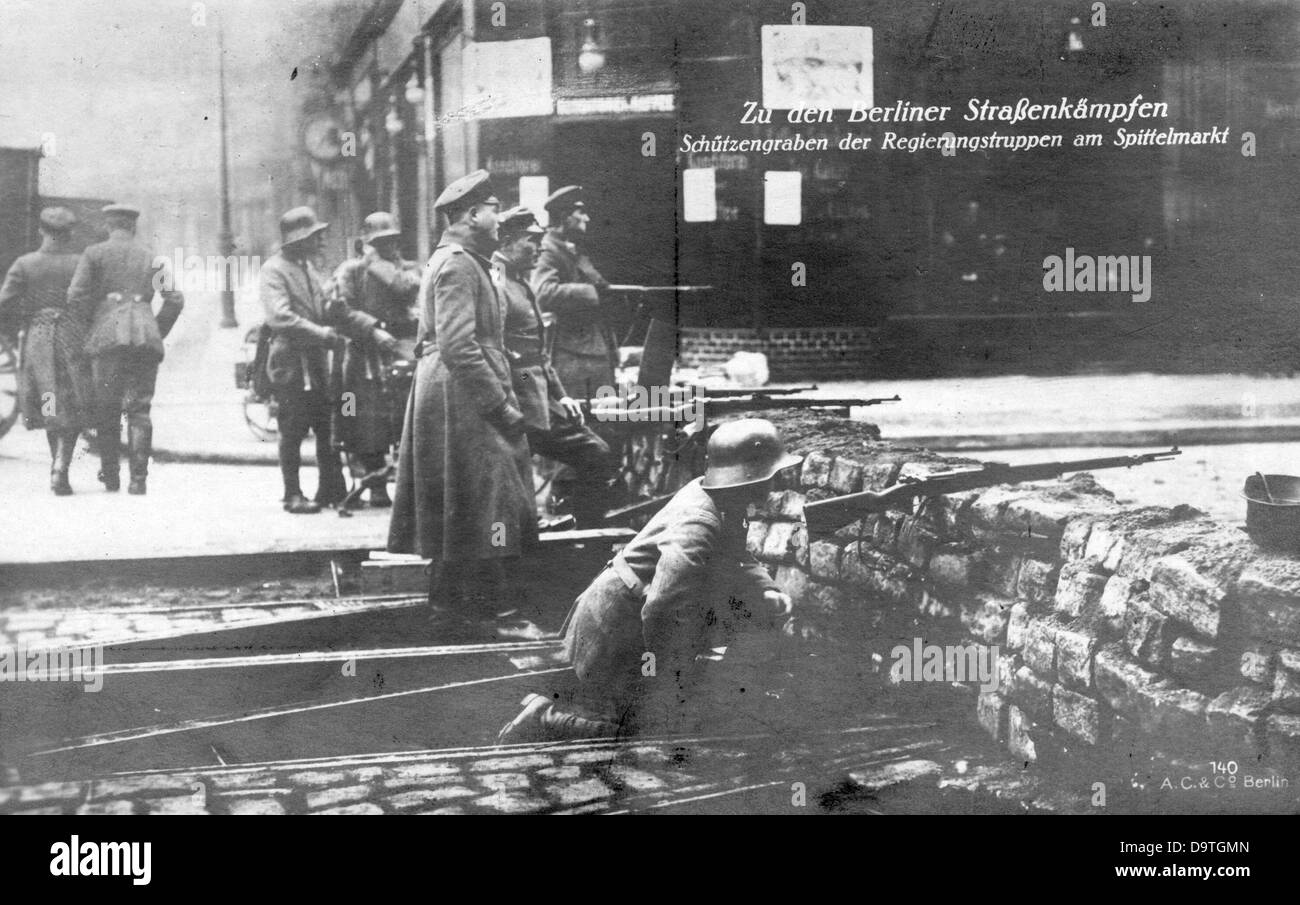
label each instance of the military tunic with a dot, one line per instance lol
(566, 284)
(682, 581)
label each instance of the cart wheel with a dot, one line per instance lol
(8, 387)
(260, 416)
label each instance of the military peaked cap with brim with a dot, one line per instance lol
(299, 223)
(120, 210)
(519, 221)
(561, 201)
(379, 225)
(476, 188)
(57, 219)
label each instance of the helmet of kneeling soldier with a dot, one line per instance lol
(743, 453)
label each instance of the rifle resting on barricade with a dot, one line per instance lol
(827, 516)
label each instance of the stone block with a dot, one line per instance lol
(845, 476)
(1074, 658)
(1147, 633)
(778, 542)
(954, 567)
(1235, 715)
(985, 618)
(756, 536)
(1017, 624)
(1078, 590)
(1258, 663)
(1036, 583)
(1039, 650)
(1032, 694)
(1180, 590)
(816, 470)
(1079, 715)
(824, 560)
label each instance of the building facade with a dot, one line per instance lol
(670, 114)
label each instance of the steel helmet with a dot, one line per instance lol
(745, 452)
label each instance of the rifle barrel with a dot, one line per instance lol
(632, 287)
(828, 515)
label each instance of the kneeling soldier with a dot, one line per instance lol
(683, 585)
(553, 419)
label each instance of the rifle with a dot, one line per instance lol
(827, 516)
(732, 393)
(630, 287)
(644, 507)
(685, 410)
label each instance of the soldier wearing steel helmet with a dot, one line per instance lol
(682, 586)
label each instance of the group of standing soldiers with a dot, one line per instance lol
(486, 394)
(92, 342)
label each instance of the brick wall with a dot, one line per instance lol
(1120, 630)
(792, 353)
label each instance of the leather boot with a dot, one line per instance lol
(110, 443)
(62, 444)
(140, 438)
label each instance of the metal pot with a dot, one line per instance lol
(1273, 510)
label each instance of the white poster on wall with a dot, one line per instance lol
(508, 78)
(817, 66)
(533, 192)
(783, 197)
(699, 195)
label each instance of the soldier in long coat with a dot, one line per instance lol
(113, 290)
(464, 495)
(683, 585)
(555, 421)
(384, 285)
(54, 390)
(568, 285)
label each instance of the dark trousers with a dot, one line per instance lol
(124, 383)
(300, 411)
(591, 460)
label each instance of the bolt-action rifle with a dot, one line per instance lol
(830, 515)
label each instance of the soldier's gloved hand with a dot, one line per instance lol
(572, 409)
(779, 605)
(508, 420)
(385, 340)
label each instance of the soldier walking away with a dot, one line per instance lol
(113, 291)
(306, 329)
(554, 420)
(569, 286)
(383, 285)
(683, 585)
(54, 390)
(464, 474)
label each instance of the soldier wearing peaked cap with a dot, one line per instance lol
(113, 290)
(54, 388)
(569, 286)
(382, 284)
(306, 328)
(554, 419)
(683, 585)
(464, 482)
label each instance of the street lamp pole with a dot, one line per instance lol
(226, 239)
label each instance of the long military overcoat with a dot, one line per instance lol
(464, 478)
(54, 387)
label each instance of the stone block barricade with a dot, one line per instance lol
(1127, 631)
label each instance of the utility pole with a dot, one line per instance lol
(226, 239)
